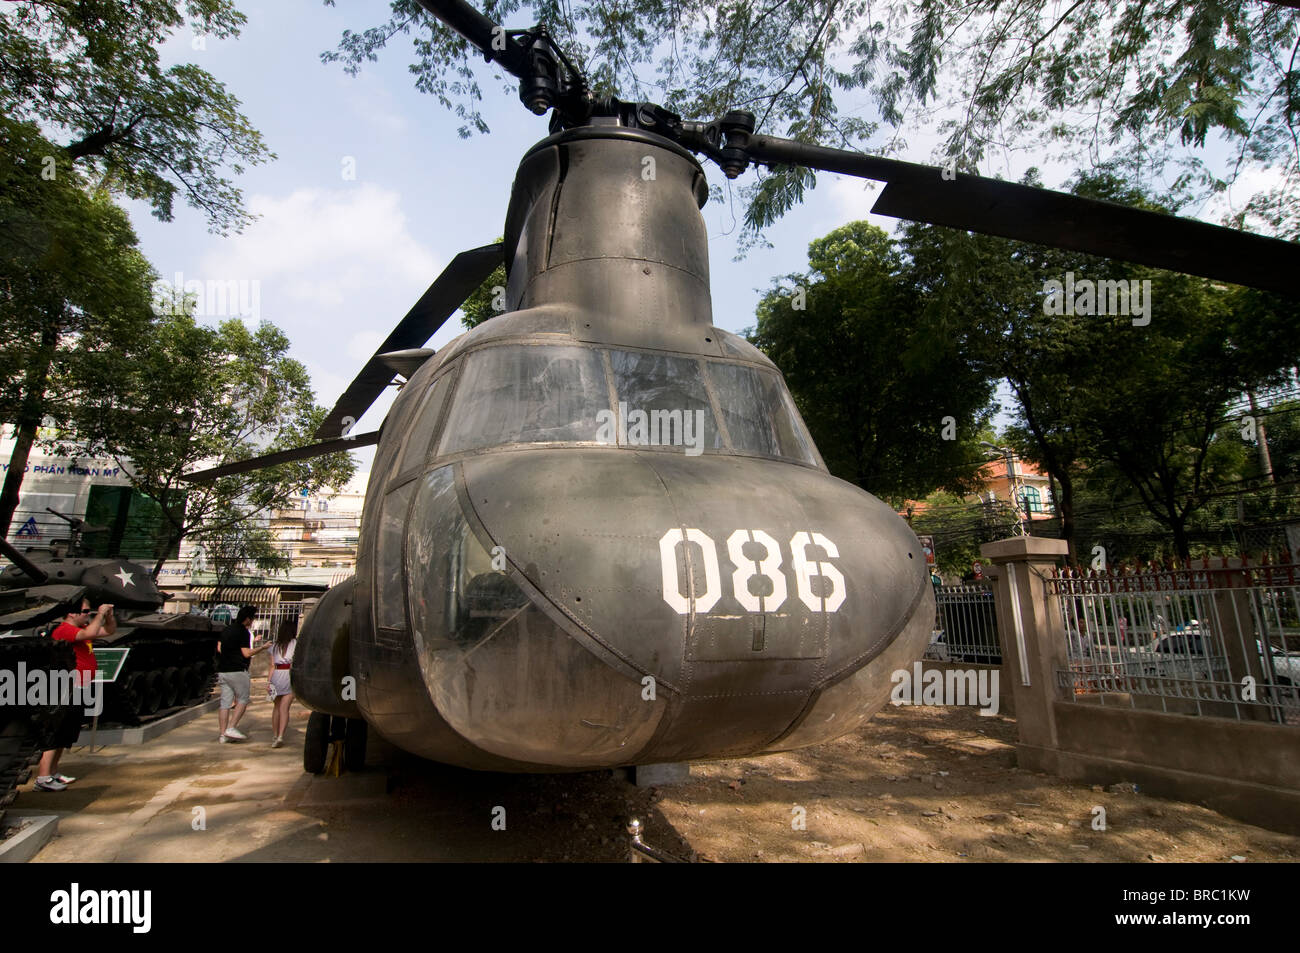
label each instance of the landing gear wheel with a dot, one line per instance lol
(316, 746)
(354, 745)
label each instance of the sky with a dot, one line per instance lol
(336, 260)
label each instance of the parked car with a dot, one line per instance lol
(1190, 653)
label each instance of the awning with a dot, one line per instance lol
(236, 595)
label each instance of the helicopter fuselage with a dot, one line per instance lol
(597, 531)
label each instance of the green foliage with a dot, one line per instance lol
(1134, 412)
(89, 72)
(874, 376)
(72, 279)
(200, 395)
(1158, 80)
(959, 527)
(235, 542)
(73, 289)
(487, 300)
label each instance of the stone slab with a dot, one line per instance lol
(658, 775)
(139, 734)
(25, 845)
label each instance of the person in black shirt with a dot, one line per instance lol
(234, 649)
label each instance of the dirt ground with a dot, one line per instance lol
(916, 784)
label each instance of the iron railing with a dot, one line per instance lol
(1220, 639)
(965, 625)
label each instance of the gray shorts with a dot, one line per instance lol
(235, 687)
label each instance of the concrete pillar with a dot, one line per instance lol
(1033, 639)
(1235, 619)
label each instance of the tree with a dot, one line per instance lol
(235, 542)
(1044, 359)
(90, 73)
(198, 395)
(74, 292)
(959, 527)
(1145, 393)
(888, 393)
(1161, 423)
(1159, 80)
(488, 299)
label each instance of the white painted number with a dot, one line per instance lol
(704, 601)
(746, 569)
(805, 571)
(828, 598)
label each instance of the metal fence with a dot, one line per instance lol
(268, 619)
(965, 625)
(1215, 640)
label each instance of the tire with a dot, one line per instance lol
(316, 745)
(128, 693)
(150, 692)
(171, 687)
(189, 684)
(354, 745)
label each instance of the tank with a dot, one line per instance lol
(172, 659)
(26, 730)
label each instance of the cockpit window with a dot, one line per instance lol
(526, 394)
(757, 411)
(669, 393)
(516, 394)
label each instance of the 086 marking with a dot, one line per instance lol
(767, 567)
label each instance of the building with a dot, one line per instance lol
(1025, 483)
(93, 489)
(322, 533)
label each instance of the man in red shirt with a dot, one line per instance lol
(79, 628)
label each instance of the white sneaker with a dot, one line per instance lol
(222, 738)
(49, 784)
(236, 734)
(277, 743)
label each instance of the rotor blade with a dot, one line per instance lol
(486, 35)
(1056, 219)
(284, 456)
(448, 292)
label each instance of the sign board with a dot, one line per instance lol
(927, 547)
(109, 663)
(979, 570)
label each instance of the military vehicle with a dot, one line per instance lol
(172, 657)
(27, 724)
(597, 532)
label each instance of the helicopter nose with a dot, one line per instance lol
(761, 601)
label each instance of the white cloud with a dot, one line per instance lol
(363, 344)
(326, 248)
(337, 267)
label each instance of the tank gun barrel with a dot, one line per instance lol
(72, 521)
(39, 576)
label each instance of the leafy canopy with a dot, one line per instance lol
(90, 73)
(888, 392)
(1091, 79)
(199, 396)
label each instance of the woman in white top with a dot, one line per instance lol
(278, 691)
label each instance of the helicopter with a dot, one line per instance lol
(597, 531)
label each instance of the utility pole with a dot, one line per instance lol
(1008, 455)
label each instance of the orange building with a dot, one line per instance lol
(1035, 491)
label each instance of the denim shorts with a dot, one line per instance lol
(235, 687)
